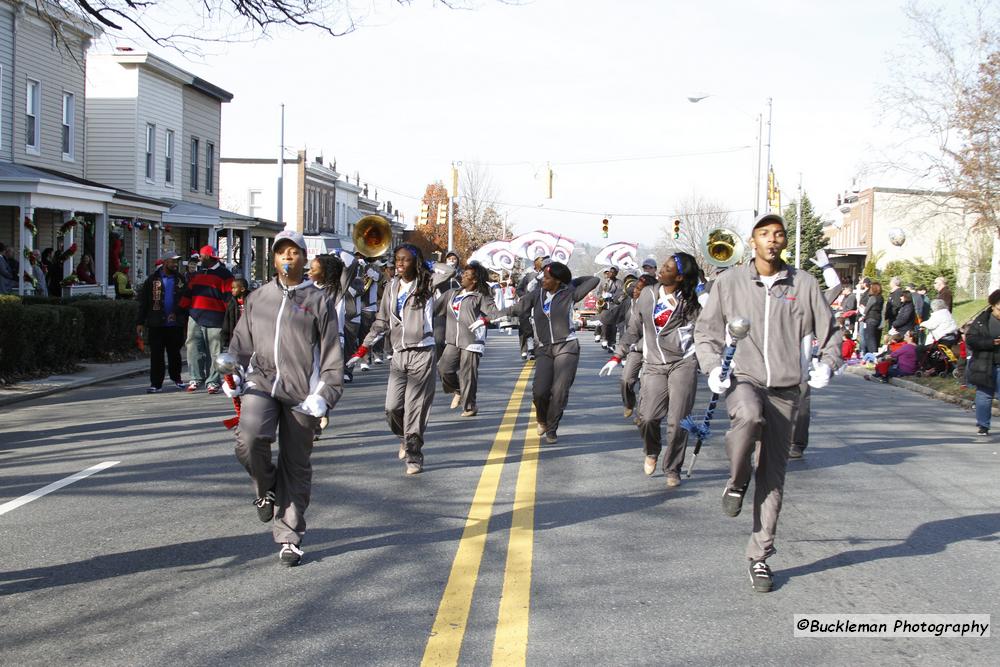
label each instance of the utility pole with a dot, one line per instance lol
(760, 138)
(281, 169)
(453, 195)
(770, 109)
(798, 227)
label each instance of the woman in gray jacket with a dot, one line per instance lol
(663, 319)
(558, 351)
(406, 317)
(466, 309)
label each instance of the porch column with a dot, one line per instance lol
(101, 251)
(27, 243)
(246, 252)
(213, 237)
(67, 241)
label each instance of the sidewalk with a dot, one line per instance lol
(88, 375)
(861, 371)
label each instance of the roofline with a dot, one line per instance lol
(81, 24)
(257, 160)
(171, 71)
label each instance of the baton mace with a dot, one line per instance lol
(227, 364)
(738, 330)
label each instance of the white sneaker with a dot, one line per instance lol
(290, 555)
(524, 355)
(456, 400)
(597, 338)
(364, 367)
(378, 360)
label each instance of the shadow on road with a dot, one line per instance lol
(928, 538)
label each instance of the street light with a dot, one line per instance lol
(694, 99)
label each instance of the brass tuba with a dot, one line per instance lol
(372, 236)
(723, 247)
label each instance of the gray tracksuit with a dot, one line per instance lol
(631, 355)
(410, 391)
(525, 333)
(288, 342)
(670, 372)
(459, 363)
(558, 351)
(800, 435)
(769, 365)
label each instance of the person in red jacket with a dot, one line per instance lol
(208, 291)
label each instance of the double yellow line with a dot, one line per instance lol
(511, 643)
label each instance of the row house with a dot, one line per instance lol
(316, 200)
(154, 129)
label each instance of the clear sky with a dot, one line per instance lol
(586, 85)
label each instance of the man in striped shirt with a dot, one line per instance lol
(208, 291)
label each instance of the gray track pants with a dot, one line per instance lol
(630, 375)
(408, 398)
(800, 436)
(555, 371)
(263, 418)
(768, 415)
(459, 371)
(667, 391)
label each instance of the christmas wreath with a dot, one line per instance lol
(71, 279)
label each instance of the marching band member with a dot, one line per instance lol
(406, 316)
(367, 276)
(785, 306)
(611, 291)
(528, 284)
(633, 362)
(440, 321)
(664, 318)
(467, 311)
(287, 340)
(558, 351)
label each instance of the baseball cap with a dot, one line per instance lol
(207, 250)
(768, 218)
(169, 255)
(650, 262)
(289, 235)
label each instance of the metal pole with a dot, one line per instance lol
(281, 169)
(798, 227)
(760, 138)
(770, 109)
(451, 207)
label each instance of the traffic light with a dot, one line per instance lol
(677, 229)
(424, 214)
(604, 227)
(442, 214)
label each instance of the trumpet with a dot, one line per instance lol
(723, 247)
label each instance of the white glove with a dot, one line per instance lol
(478, 324)
(820, 259)
(314, 406)
(352, 361)
(820, 374)
(233, 392)
(608, 367)
(606, 295)
(715, 382)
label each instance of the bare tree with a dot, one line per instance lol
(943, 100)
(481, 218)
(225, 20)
(697, 216)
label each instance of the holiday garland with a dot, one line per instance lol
(30, 226)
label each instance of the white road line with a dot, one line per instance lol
(55, 486)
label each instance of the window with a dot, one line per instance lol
(150, 151)
(209, 167)
(168, 159)
(253, 209)
(32, 131)
(68, 133)
(194, 163)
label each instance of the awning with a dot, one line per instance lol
(200, 215)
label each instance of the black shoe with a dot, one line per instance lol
(290, 555)
(732, 501)
(795, 451)
(983, 431)
(760, 576)
(265, 507)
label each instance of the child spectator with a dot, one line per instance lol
(848, 346)
(902, 359)
(234, 309)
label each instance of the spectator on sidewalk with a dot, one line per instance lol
(905, 318)
(940, 324)
(894, 301)
(873, 319)
(161, 319)
(123, 286)
(983, 339)
(208, 291)
(943, 293)
(902, 358)
(234, 309)
(85, 270)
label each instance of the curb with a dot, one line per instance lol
(926, 391)
(41, 393)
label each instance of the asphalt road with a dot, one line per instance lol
(160, 559)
